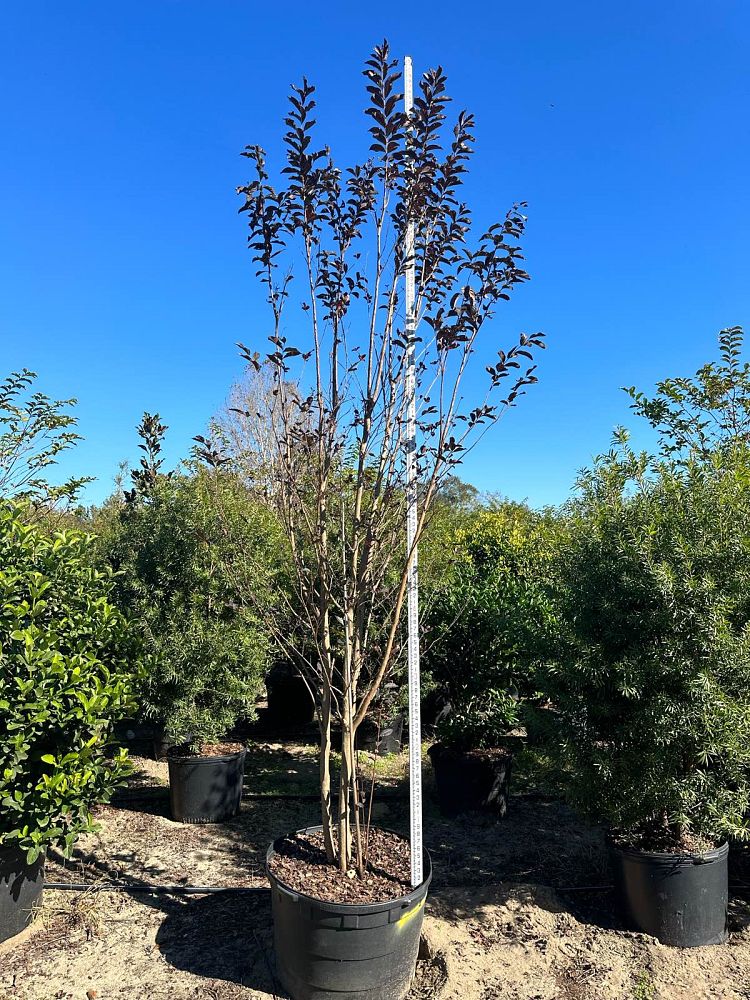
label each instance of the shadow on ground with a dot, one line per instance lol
(228, 937)
(540, 842)
(231, 938)
(541, 854)
(276, 770)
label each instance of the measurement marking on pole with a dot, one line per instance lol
(415, 719)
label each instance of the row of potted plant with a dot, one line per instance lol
(693, 513)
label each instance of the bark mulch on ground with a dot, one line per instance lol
(206, 750)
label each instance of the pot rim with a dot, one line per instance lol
(205, 758)
(413, 895)
(12, 851)
(444, 748)
(674, 857)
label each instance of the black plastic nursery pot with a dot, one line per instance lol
(681, 899)
(163, 743)
(345, 951)
(389, 740)
(205, 789)
(435, 706)
(20, 890)
(471, 780)
(289, 700)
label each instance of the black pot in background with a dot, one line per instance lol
(435, 706)
(681, 899)
(289, 701)
(206, 789)
(390, 739)
(20, 890)
(343, 951)
(164, 742)
(473, 779)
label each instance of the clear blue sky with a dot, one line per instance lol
(123, 275)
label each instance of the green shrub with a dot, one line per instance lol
(486, 619)
(652, 662)
(179, 574)
(67, 662)
(479, 720)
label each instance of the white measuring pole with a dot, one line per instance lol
(415, 714)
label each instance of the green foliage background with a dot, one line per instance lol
(622, 617)
(183, 574)
(649, 667)
(651, 670)
(67, 668)
(487, 614)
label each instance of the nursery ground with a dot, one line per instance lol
(521, 909)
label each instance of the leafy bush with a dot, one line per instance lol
(479, 721)
(486, 619)
(67, 662)
(173, 544)
(653, 661)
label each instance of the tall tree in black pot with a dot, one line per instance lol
(329, 247)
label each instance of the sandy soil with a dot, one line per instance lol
(520, 909)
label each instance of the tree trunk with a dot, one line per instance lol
(361, 858)
(325, 772)
(345, 788)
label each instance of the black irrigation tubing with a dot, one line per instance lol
(204, 890)
(154, 791)
(156, 890)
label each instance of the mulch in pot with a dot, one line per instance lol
(661, 840)
(299, 861)
(206, 750)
